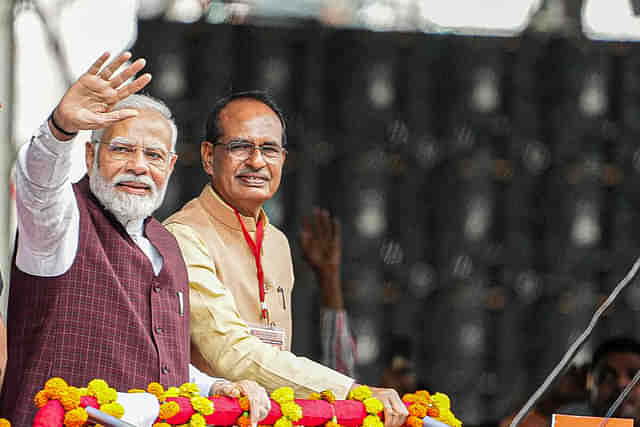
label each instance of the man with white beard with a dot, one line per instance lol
(98, 287)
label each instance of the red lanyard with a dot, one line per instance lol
(256, 248)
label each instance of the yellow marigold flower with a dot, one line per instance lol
(156, 389)
(4, 422)
(113, 408)
(83, 391)
(441, 400)
(372, 421)
(55, 388)
(98, 425)
(76, 417)
(418, 410)
(172, 392)
(360, 393)
(96, 385)
(55, 382)
(332, 423)
(282, 394)
(197, 420)
(168, 410)
(413, 421)
(373, 405)
(291, 410)
(163, 424)
(328, 396)
(71, 399)
(202, 404)
(314, 396)
(41, 398)
(189, 390)
(107, 395)
(283, 422)
(136, 390)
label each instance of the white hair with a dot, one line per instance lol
(142, 102)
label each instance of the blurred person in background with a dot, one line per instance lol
(321, 242)
(98, 287)
(591, 389)
(240, 266)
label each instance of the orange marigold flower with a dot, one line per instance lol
(328, 396)
(408, 397)
(418, 410)
(433, 412)
(332, 423)
(244, 421)
(413, 421)
(423, 393)
(244, 403)
(168, 410)
(41, 398)
(314, 396)
(76, 417)
(156, 389)
(4, 422)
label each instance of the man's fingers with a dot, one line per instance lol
(134, 86)
(111, 68)
(95, 67)
(128, 73)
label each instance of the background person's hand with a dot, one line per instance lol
(321, 242)
(259, 401)
(86, 104)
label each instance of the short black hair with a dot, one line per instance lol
(213, 131)
(614, 345)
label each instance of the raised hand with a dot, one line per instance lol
(321, 242)
(87, 103)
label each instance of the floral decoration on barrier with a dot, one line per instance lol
(422, 404)
(63, 405)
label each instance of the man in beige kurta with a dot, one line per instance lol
(243, 155)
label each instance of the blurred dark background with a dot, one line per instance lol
(486, 186)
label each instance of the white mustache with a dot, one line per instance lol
(141, 179)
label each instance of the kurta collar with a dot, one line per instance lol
(223, 212)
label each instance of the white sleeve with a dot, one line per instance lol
(202, 380)
(48, 216)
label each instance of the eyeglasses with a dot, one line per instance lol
(242, 150)
(122, 150)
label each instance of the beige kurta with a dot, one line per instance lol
(225, 299)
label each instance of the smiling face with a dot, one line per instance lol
(132, 187)
(610, 377)
(245, 184)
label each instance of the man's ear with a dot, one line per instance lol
(206, 154)
(89, 154)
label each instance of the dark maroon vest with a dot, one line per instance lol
(107, 317)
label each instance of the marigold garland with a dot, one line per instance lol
(437, 406)
(4, 422)
(184, 407)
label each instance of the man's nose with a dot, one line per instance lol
(137, 164)
(256, 159)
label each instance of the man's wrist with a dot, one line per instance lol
(58, 131)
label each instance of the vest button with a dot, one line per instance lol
(165, 370)
(156, 289)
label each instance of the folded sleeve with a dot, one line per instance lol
(223, 340)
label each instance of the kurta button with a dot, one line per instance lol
(156, 289)
(165, 370)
